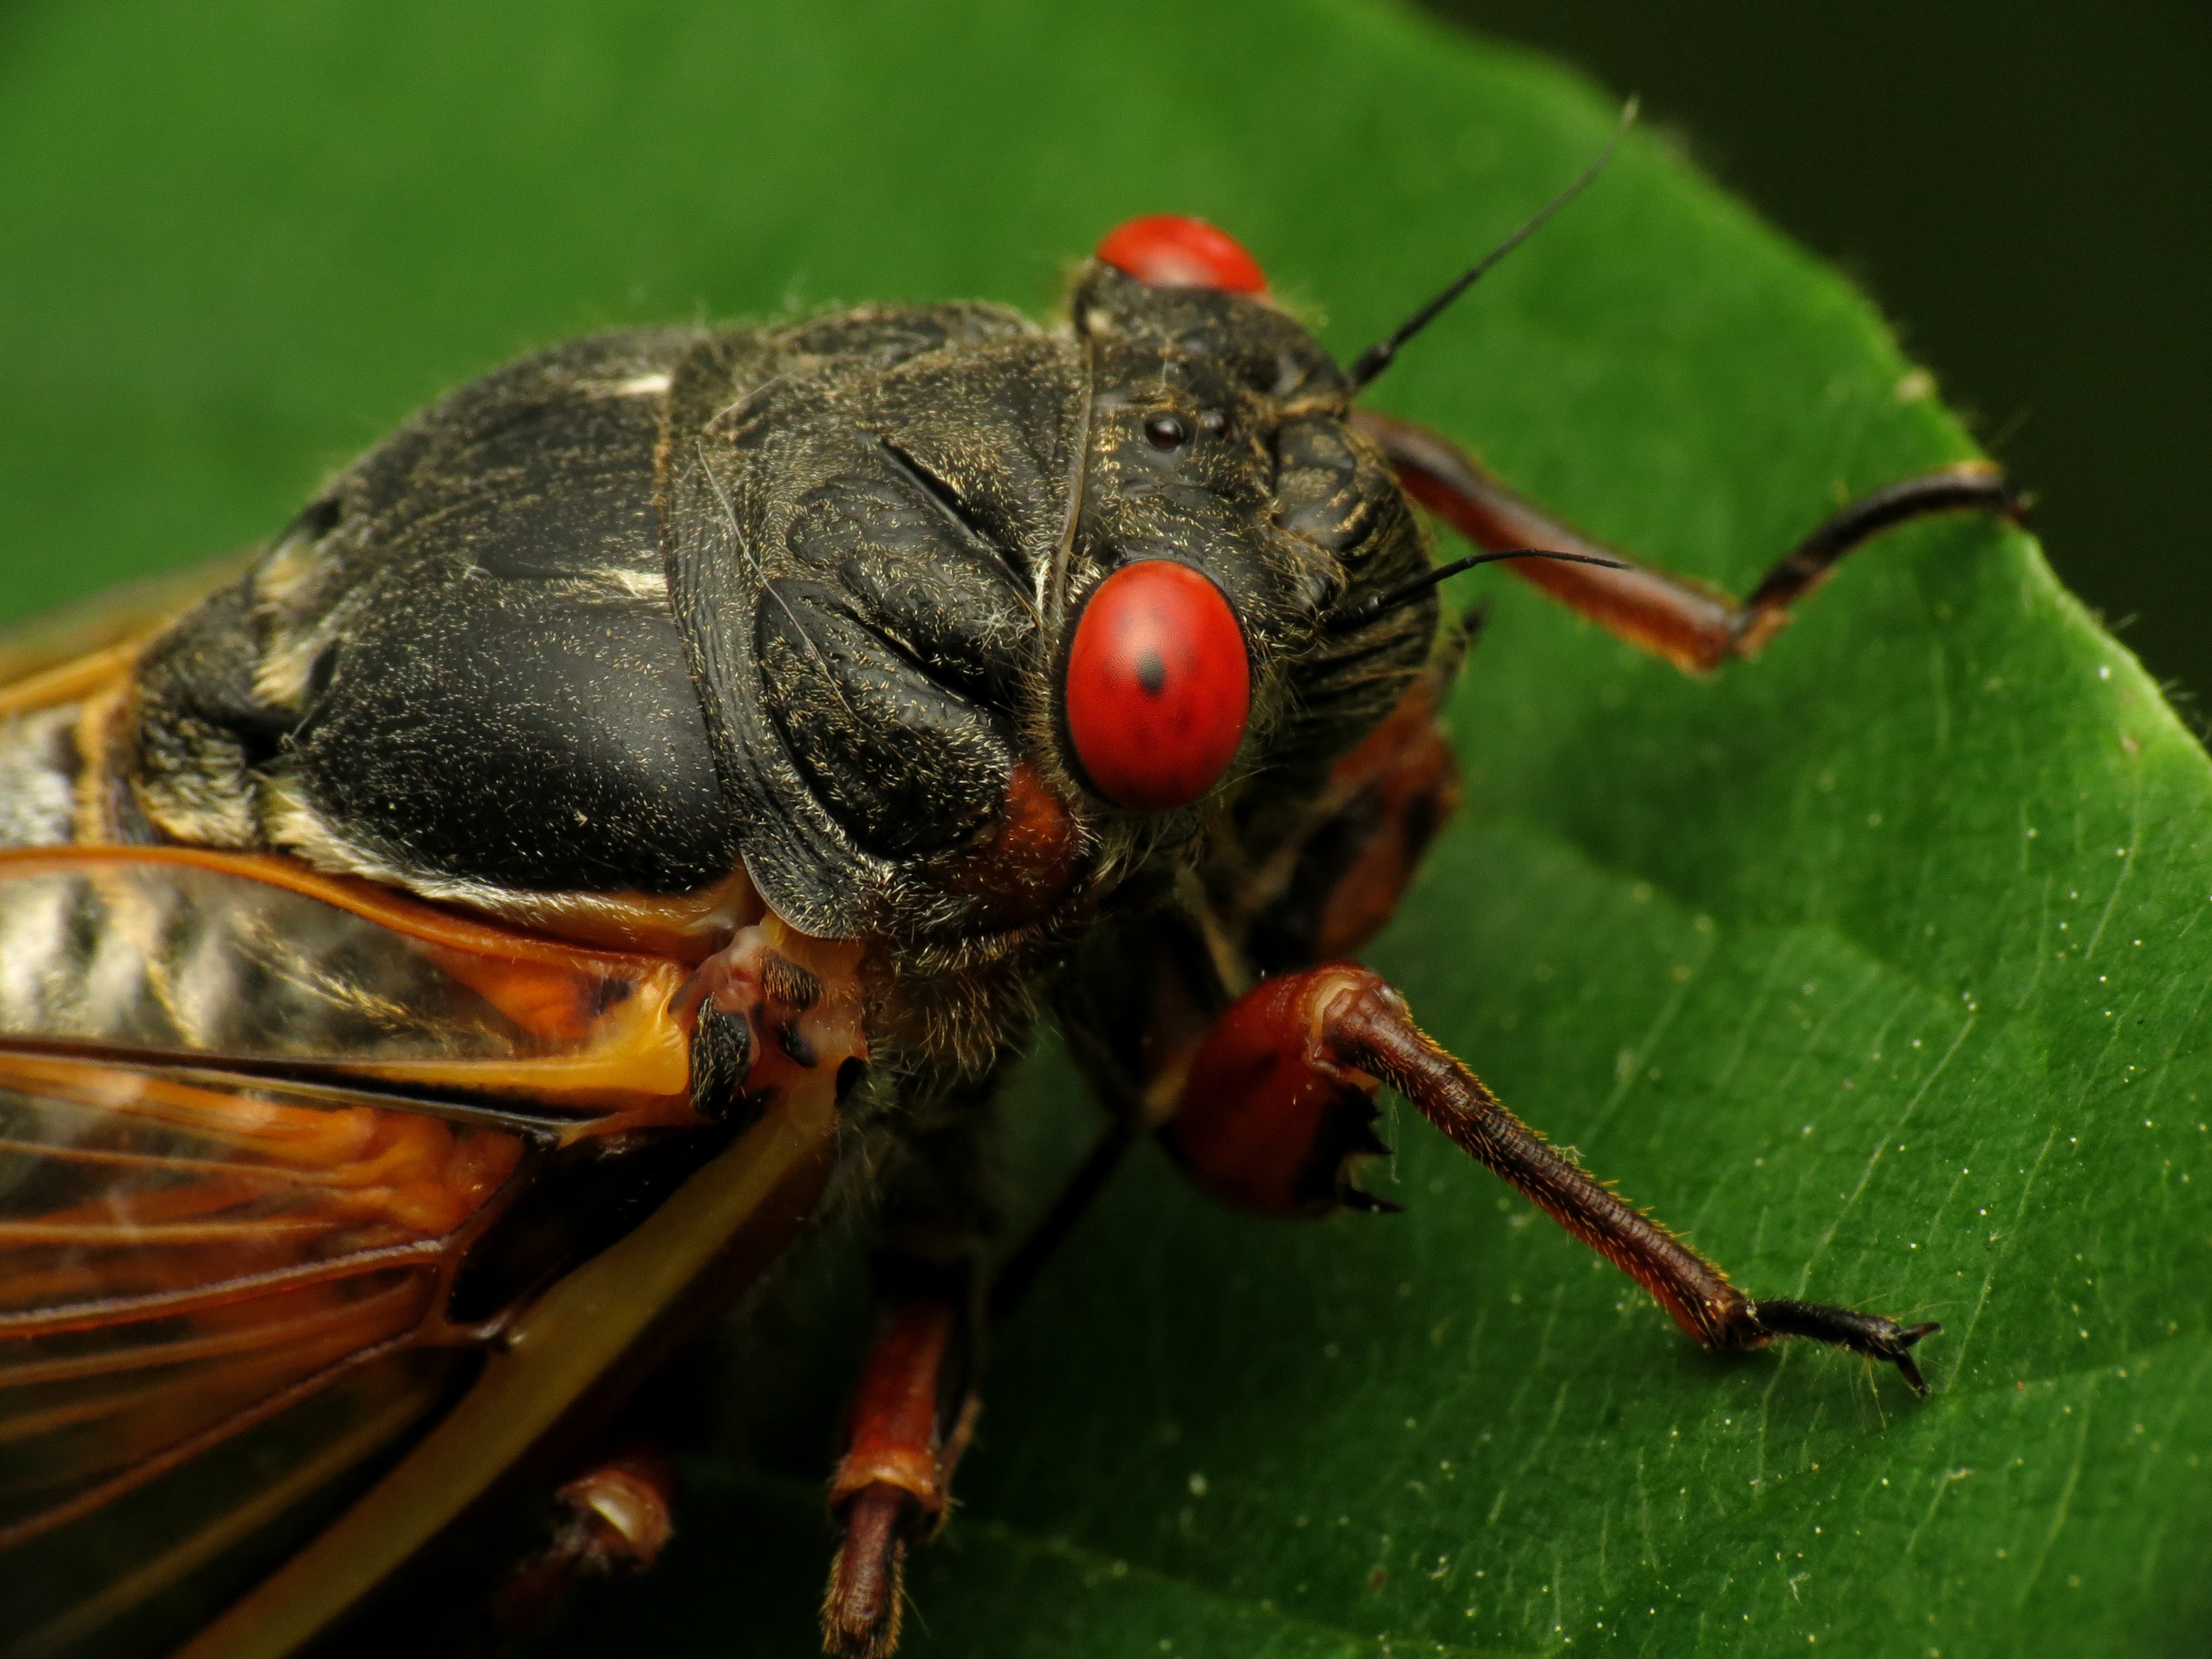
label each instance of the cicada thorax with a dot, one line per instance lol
(859, 530)
(887, 532)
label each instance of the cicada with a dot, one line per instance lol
(643, 806)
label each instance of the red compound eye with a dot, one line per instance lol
(1158, 688)
(1169, 250)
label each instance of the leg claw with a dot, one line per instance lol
(1864, 1333)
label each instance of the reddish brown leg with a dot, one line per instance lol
(1695, 627)
(910, 1419)
(613, 1518)
(1298, 1047)
(1271, 1119)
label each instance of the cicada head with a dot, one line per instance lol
(1228, 511)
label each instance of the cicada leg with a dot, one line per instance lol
(1695, 627)
(1272, 1101)
(1326, 883)
(613, 1518)
(911, 1416)
(1337, 875)
(1299, 1051)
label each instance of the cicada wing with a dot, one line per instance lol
(218, 1307)
(252, 1124)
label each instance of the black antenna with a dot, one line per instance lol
(1377, 358)
(1374, 604)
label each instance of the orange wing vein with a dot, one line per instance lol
(252, 1121)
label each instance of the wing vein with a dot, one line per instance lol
(183, 1451)
(275, 1334)
(160, 1305)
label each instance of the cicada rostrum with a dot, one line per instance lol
(642, 805)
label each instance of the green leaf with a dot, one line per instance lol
(1870, 964)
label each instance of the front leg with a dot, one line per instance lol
(1695, 627)
(1283, 1087)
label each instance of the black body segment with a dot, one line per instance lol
(888, 575)
(458, 666)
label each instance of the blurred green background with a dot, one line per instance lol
(2022, 187)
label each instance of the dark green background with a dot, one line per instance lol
(2026, 189)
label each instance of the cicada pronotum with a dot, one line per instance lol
(639, 807)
